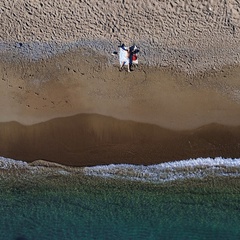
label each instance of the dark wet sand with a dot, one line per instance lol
(91, 139)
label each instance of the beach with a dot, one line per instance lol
(91, 152)
(80, 112)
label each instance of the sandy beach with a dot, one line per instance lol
(63, 99)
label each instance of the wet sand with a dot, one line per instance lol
(90, 139)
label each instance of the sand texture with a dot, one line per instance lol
(63, 99)
(191, 35)
(69, 84)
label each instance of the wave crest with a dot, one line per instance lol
(170, 171)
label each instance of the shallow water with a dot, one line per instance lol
(86, 207)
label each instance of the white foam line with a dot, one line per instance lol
(186, 169)
(164, 172)
(22, 169)
(7, 163)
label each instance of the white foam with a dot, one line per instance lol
(7, 163)
(164, 172)
(170, 171)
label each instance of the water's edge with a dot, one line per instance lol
(200, 168)
(191, 199)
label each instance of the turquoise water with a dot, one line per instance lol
(85, 207)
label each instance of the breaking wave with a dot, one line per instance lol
(170, 171)
(165, 172)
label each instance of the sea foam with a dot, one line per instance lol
(7, 163)
(170, 171)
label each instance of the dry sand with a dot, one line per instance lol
(63, 99)
(191, 35)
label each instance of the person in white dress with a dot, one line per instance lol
(124, 57)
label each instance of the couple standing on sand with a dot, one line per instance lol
(126, 55)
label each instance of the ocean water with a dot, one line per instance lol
(192, 199)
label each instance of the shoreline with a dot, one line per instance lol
(89, 151)
(72, 195)
(78, 111)
(185, 172)
(91, 139)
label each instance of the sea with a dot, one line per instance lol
(188, 199)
